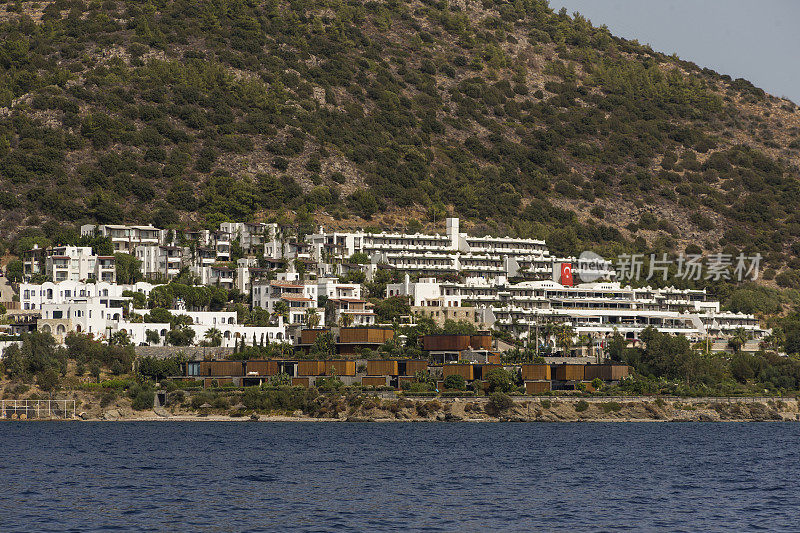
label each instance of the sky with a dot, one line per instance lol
(757, 40)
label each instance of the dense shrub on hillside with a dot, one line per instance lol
(130, 113)
(38, 355)
(84, 350)
(280, 399)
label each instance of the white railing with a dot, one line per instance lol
(27, 409)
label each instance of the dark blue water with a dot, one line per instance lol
(206, 476)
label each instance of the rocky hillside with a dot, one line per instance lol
(518, 119)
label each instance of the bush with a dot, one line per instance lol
(500, 380)
(612, 406)
(546, 404)
(499, 402)
(142, 398)
(108, 398)
(581, 406)
(455, 382)
(47, 380)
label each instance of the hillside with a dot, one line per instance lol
(518, 119)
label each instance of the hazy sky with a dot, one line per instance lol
(758, 40)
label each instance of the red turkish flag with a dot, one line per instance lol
(566, 274)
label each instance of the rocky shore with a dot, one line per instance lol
(555, 409)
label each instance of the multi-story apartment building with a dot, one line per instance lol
(352, 312)
(298, 296)
(69, 263)
(421, 292)
(452, 253)
(125, 239)
(254, 237)
(600, 309)
(332, 289)
(597, 309)
(160, 261)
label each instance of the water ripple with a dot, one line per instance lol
(398, 477)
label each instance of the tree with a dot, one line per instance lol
(391, 309)
(499, 402)
(738, 340)
(139, 299)
(564, 335)
(129, 269)
(120, 338)
(94, 369)
(142, 397)
(14, 270)
(345, 320)
(47, 380)
(159, 315)
(152, 337)
(461, 327)
(181, 336)
(616, 346)
(324, 345)
(213, 336)
(281, 310)
(300, 268)
(455, 382)
(312, 317)
(500, 380)
(258, 317)
(359, 258)
(158, 369)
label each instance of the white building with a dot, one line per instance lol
(88, 316)
(34, 296)
(160, 260)
(599, 309)
(436, 255)
(73, 263)
(421, 292)
(137, 331)
(231, 331)
(331, 288)
(298, 296)
(125, 239)
(255, 237)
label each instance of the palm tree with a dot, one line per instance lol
(281, 309)
(738, 340)
(564, 335)
(346, 320)
(213, 336)
(312, 317)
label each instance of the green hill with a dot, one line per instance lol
(518, 119)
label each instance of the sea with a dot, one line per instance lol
(314, 476)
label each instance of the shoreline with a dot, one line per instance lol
(538, 409)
